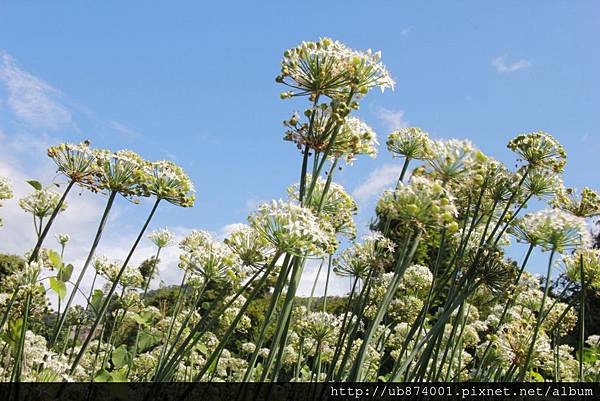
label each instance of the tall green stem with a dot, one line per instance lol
(540, 318)
(104, 307)
(44, 233)
(103, 220)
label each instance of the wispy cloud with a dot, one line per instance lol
(503, 67)
(123, 130)
(392, 119)
(379, 179)
(33, 101)
(405, 31)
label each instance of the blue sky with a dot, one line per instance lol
(194, 82)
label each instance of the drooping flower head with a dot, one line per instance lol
(77, 162)
(539, 149)
(292, 228)
(330, 68)
(553, 229)
(411, 143)
(42, 203)
(331, 202)
(168, 181)
(208, 257)
(353, 136)
(162, 238)
(586, 204)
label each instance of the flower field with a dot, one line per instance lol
(434, 295)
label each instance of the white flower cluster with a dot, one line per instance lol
(252, 248)
(320, 326)
(5, 192)
(451, 158)
(331, 68)
(332, 202)
(540, 150)
(354, 138)
(590, 258)
(422, 202)
(63, 239)
(168, 181)
(208, 257)
(411, 143)
(41, 203)
(131, 277)
(553, 229)
(374, 252)
(292, 228)
(162, 238)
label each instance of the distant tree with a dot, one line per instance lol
(10, 264)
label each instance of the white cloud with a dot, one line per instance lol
(503, 67)
(379, 179)
(33, 101)
(392, 119)
(226, 230)
(337, 285)
(405, 31)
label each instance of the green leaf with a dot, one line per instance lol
(120, 357)
(65, 273)
(35, 184)
(103, 376)
(96, 300)
(54, 258)
(59, 287)
(147, 340)
(119, 375)
(535, 376)
(202, 348)
(136, 318)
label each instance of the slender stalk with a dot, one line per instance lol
(540, 318)
(403, 172)
(172, 323)
(44, 233)
(509, 303)
(357, 367)
(16, 373)
(327, 283)
(104, 306)
(103, 220)
(225, 338)
(268, 316)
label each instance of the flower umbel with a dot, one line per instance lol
(41, 203)
(168, 181)
(553, 229)
(411, 143)
(291, 228)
